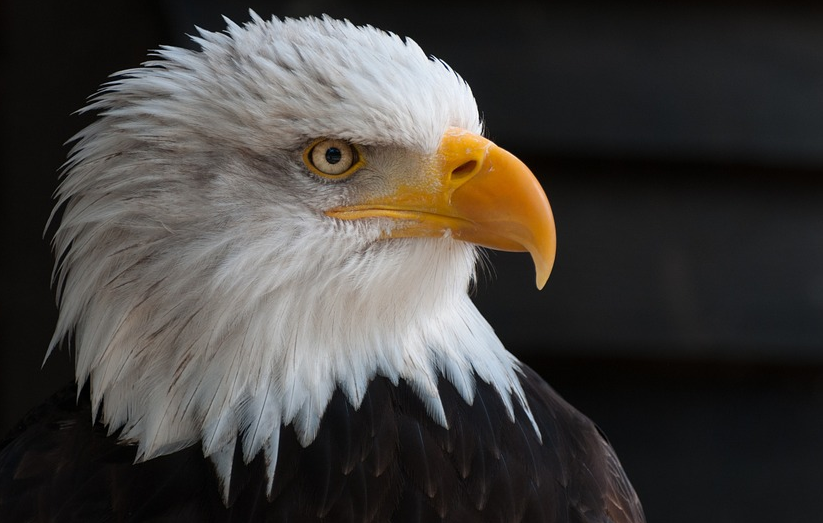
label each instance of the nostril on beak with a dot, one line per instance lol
(465, 169)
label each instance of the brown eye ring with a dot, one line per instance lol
(333, 158)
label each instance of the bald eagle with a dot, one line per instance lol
(263, 261)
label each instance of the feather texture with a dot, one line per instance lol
(209, 297)
(387, 461)
(250, 358)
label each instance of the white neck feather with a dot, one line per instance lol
(231, 349)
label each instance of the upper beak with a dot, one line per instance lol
(476, 192)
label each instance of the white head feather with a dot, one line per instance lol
(208, 296)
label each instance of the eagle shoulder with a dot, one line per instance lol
(386, 460)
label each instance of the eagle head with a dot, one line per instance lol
(294, 208)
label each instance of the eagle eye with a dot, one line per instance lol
(333, 158)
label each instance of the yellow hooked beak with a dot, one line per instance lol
(473, 191)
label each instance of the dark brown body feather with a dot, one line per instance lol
(386, 461)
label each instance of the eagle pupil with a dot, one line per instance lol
(333, 155)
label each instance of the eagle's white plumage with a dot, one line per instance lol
(209, 296)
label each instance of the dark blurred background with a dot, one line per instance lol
(681, 146)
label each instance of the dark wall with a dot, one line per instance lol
(681, 146)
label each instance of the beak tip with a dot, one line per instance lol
(542, 267)
(541, 278)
